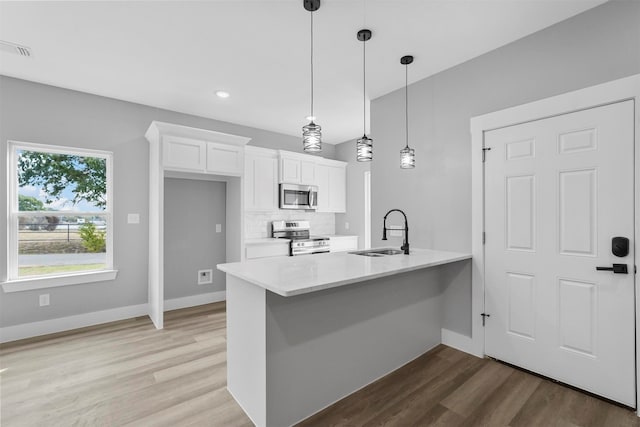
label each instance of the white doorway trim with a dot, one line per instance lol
(367, 209)
(606, 93)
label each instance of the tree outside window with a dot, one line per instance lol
(61, 217)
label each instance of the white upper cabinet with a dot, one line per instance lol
(322, 181)
(308, 172)
(184, 154)
(331, 179)
(224, 159)
(290, 170)
(338, 188)
(298, 168)
(261, 179)
(329, 175)
(189, 149)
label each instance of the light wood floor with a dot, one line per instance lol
(127, 373)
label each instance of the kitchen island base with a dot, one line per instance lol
(290, 357)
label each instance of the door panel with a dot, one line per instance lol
(557, 191)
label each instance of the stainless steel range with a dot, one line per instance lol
(302, 243)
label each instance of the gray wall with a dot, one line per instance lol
(599, 45)
(44, 114)
(355, 192)
(192, 209)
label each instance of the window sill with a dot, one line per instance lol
(55, 281)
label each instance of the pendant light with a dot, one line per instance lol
(407, 155)
(364, 146)
(311, 133)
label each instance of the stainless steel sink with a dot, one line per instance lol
(377, 252)
(364, 253)
(388, 251)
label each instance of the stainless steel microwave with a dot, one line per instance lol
(293, 196)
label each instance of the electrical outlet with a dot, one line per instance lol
(133, 218)
(346, 225)
(44, 300)
(205, 277)
(218, 228)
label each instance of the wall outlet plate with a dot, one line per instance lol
(44, 300)
(205, 277)
(133, 218)
(218, 228)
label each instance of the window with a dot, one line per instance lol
(60, 218)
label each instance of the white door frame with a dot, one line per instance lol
(606, 93)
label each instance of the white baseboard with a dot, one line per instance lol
(61, 324)
(51, 326)
(457, 341)
(194, 300)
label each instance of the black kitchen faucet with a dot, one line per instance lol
(405, 243)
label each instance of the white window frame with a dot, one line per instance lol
(15, 283)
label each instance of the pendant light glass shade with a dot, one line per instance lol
(364, 146)
(407, 155)
(364, 149)
(311, 133)
(311, 138)
(407, 158)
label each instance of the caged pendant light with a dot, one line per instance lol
(407, 155)
(364, 146)
(311, 133)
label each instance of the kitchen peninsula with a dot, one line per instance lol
(304, 332)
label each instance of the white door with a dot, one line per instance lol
(557, 191)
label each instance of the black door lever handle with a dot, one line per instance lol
(617, 269)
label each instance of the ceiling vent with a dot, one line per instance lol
(15, 48)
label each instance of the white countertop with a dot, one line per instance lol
(289, 276)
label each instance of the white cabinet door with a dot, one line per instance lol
(267, 250)
(331, 182)
(290, 170)
(184, 154)
(224, 159)
(343, 243)
(308, 172)
(337, 189)
(322, 181)
(261, 182)
(296, 168)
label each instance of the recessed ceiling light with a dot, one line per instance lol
(222, 94)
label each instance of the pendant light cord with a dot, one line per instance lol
(364, 88)
(312, 66)
(406, 102)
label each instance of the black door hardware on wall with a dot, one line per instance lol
(616, 268)
(620, 246)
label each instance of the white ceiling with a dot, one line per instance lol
(176, 54)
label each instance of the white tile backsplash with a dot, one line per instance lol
(257, 225)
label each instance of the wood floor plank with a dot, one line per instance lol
(499, 395)
(439, 416)
(129, 373)
(501, 406)
(472, 393)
